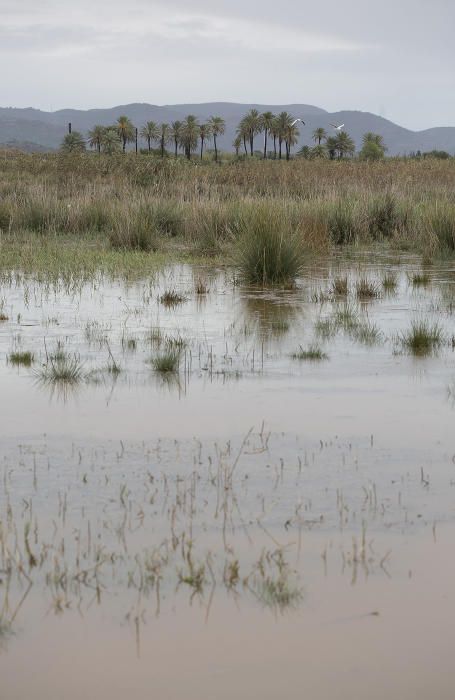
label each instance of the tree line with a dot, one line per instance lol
(189, 136)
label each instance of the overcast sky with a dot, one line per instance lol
(392, 57)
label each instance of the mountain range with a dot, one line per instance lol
(35, 130)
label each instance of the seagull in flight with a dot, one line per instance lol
(337, 127)
(297, 120)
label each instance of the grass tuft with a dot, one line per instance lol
(312, 354)
(269, 251)
(422, 338)
(24, 358)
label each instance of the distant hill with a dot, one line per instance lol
(38, 130)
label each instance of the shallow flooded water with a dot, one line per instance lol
(272, 516)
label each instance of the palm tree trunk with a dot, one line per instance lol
(124, 145)
(202, 147)
(265, 143)
(251, 143)
(244, 145)
(149, 140)
(214, 143)
(280, 143)
(274, 146)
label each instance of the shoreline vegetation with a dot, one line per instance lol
(81, 210)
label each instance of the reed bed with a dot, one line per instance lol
(148, 205)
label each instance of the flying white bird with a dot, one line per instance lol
(337, 127)
(297, 120)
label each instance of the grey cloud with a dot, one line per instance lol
(168, 51)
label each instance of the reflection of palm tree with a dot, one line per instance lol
(150, 132)
(126, 131)
(218, 127)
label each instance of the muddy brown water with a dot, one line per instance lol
(251, 525)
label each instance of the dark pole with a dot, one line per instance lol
(69, 128)
(136, 139)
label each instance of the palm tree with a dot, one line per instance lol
(319, 151)
(370, 137)
(331, 145)
(205, 134)
(274, 131)
(291, 138)
(218, 127)
(189, 137)
(164, 137)
(345, 145)
(126, 131)
(176, 128)
(150, 132)
(73, 143)
(242, 134)
(283, 125)
(237, 143)
(253, 125)
(95, 137)
(111, 142)
(319, 135)
(267, 119)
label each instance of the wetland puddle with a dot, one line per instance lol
(270, 517)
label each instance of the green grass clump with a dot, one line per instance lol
(167, 218)
(367, 333)
(442, 223)
(389, 282)
(24, 358)
(383, 216)
(343, 222)
(172, 298)
(312, 354)
(137, 231)
(423, 338)
(346, 318)
(269, 251)
(5, 217)
(279, 326)
(63, 369)
(420, 279)
(366, 290)
(339, 286)
(167, 362)
(325, 328)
